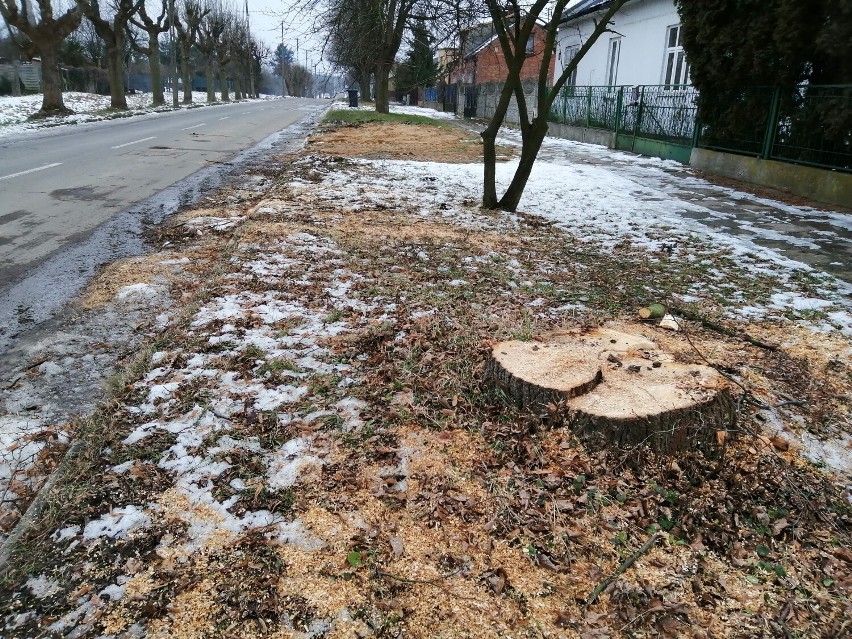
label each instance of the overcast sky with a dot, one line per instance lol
(266, 18)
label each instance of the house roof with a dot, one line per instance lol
(583, 8)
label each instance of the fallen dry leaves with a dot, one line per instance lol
(427, 505)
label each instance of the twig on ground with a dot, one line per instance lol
(730, 332)
(622, 568)
(438, 579)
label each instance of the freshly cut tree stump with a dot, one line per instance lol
(618, 387)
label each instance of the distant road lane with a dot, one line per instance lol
(58, 185)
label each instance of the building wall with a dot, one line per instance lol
(644, 27)
(489, 65)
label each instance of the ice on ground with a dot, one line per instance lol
(141, 290)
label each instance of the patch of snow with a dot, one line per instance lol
(42, 586)
(117, 523)
(68, 532)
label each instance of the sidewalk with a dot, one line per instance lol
(805, 232)
(307, 447)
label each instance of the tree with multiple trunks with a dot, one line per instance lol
(152, 27)
(187, 24)
(44, 32)
(514, 22)
(110, 21)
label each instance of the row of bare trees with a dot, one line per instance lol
(212, 27)
(364, 37)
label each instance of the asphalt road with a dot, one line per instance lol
(58, 185)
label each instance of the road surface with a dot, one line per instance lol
(58, 185)
(74, 198)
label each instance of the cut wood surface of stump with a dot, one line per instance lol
(616, 386)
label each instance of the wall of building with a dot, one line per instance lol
(644, 27)
(489, 65)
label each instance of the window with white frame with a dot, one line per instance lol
(675, 68)
(613, 53)
(570, 54)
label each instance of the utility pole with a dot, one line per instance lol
(281, 62)
(173, 54)
(250, 59)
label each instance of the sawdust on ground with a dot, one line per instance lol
(403, 142)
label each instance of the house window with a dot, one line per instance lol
(531, 44)
(570, 54)
(613, 54)
(675, 68)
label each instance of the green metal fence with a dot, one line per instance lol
(809, 125)
(594, 107)
(666, 114)
(814, 126)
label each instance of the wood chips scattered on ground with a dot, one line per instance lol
(383, 141)
(422, 502)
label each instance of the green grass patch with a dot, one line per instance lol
(357, 116)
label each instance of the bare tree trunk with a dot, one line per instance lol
(186, 75)
(382, 88)
(223, 83)
(529, 151)
(364, 85)
(211, 80)
(154, 65)
(51, 81)
(489, 147)
(238, 89)
(115, 57)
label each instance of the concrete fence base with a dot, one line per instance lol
(823, 185)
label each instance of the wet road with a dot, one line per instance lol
(57, 185)
(95, 189)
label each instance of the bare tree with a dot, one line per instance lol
(224, 48)
(153, 28)
(111, 26)
(45, 34)
(299, 80)
(352, 41)
(514, 23)
(210, 32)
(187, 26)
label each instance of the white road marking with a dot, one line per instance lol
(225, 118)
(153, 137)
(40, 168)
(193, 127)
(244, 112)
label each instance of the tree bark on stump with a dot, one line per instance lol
(616, 388)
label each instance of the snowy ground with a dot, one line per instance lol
(87, 107)
(310, 452)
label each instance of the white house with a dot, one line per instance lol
(645, 48)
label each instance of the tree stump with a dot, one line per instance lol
(616, 387)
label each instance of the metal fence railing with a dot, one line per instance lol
(586, 106)
(664, 113)
(814, 126)
(807, 124)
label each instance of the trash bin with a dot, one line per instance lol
(353, 97)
